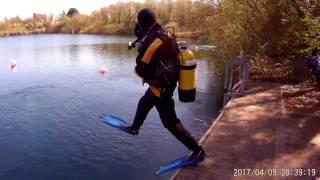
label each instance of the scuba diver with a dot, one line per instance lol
(157, 64)
(313, 63)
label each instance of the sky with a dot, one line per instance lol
(25, 8)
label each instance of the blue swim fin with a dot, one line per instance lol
(115, 122)
(178, 163)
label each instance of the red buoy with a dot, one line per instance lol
(13, 65)
(103, 70)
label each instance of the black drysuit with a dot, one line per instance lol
(157, 64)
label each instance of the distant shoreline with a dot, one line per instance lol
(187, 35)
(8, 34)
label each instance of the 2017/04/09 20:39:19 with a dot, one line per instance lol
(276, 172)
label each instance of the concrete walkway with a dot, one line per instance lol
(272, 128)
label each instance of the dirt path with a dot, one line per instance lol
(270, 132)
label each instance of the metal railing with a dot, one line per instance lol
(231, 85)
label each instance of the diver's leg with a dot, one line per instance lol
(169, 119)
(144, 106)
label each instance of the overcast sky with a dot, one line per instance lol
(25, 8)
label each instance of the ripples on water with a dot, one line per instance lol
(48, 110)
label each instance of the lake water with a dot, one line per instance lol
(49, 105)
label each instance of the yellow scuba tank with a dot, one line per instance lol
(187, 79)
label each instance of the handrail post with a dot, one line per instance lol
(231, 89)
